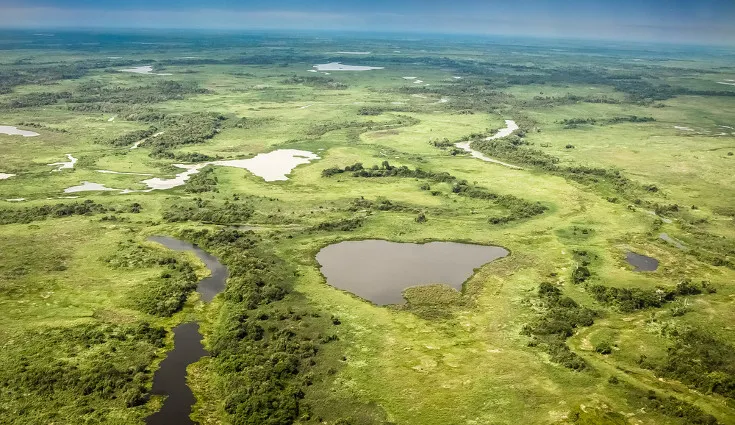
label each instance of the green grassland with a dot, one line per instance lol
(538, 337)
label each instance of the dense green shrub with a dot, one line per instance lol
(167, 294)
(29, 214)
(229, 212)
(186, 129)
(558, 321)
(204, 181)
(96, 91)
(341, 225)
(519, 208)
(703, 361)
(90, 369)
(262, 348)
(129, 138)
(31, 100)
(632, 299)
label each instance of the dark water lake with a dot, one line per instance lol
(641, 263)
(379, 271)
(170, 379)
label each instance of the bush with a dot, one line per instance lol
(229, 212)
(30, 214)
(560, 318)
(204, 181)
(604, 348)
(263, 360)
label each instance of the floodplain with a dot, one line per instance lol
(613, 149)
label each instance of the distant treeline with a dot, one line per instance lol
(574, 122)
(95, 95)
(519, 208)
(515, 149)
(88, 207)
(228, 212)
(315, 81)
(358, 127)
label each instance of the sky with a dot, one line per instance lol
(678, 21)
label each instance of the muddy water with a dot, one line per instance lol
(641, 263)
(170, 379)
(379, 271)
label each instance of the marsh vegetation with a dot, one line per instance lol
(326, 197)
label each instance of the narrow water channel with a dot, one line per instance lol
(170, 378)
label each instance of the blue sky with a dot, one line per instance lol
(691, 21)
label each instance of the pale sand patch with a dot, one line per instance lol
(418, 82)
(144, 70)
(326, 73)
(272, 166)
(4, 176)
(726, 83)
(139, 70)
(354, 53)
(88, 187)
(114, 57)
(62, 165)
(111, 119)
(443, 100)
(307, 106)
(337, 66)
(14, 131)
(510, 127)
(312, 70)
(409, 78)
(681, 128)
(397, 103)
(420, 96)
(457, 77)
(16, 199)
(180, 179)
(120, 172)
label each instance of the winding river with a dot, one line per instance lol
(510, 127)
(170, 378)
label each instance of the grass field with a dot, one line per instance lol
(77, 281)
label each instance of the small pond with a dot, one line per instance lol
(641, 263)
(379, 271)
